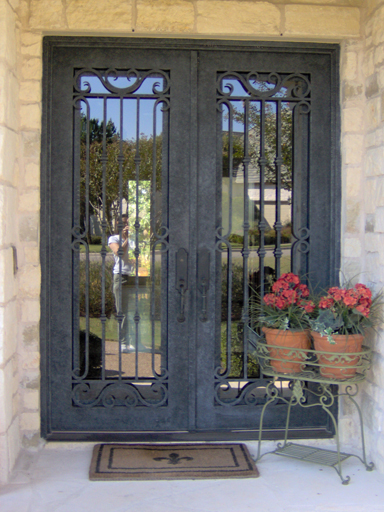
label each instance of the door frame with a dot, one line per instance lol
(51, 42)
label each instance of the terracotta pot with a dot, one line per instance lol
(344, 366)
(291, 362)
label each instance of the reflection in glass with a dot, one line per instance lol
(255, 237)
(120, 246)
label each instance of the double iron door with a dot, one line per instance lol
(222, 161)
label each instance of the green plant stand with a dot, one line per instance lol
(324, 397)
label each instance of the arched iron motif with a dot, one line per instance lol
(98, 390)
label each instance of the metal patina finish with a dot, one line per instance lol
(190, 390)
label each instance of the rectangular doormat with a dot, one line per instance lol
(171, 461)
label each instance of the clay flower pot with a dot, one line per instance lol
(287, 360)
(343, 365)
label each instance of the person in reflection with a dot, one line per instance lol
(127, 307)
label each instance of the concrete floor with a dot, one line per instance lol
(55, 479)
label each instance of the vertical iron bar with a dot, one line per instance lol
(120, 251)
(137, 250)
(245, 250)
(262, 225)
(152, 235)
(229, 253)
(86, 245)
(103, 256)
(278, 162)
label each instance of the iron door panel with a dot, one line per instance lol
(63, 415)
(313, 223)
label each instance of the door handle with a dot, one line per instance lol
(203, 269)
(181, 280)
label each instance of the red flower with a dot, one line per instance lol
(336, 293)
(290, 278)
(364, 311)
(290, 296)
(302, 290)
(279, 286)
(326, 302)
(350, 298)
(363, 291)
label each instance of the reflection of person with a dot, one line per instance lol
(128, 290)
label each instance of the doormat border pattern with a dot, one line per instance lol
(234, 461)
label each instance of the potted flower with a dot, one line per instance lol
(343, 315)
(283, 316)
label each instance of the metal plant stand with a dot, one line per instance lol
(310, 370)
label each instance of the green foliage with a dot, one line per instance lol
(95, 289)
(237, 291)
(269, 141)
(237, 353)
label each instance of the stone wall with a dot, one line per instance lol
(9, 181)
(22, 26)
(371, 224)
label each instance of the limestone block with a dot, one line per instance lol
(29, 201)
(32, 68)
(176, 16)
(351, 90)
(29, 281)
(30, 310)
(372, 242)
(31, 399)
(349, 68)
(379, 55)
(372, 262)
(8, 153)
(8, 286)
(314, 20)
(380, 75)
(352, 119)
(352, 248)
(6, 397)
(353, 149)
(31, 335)
(31, 441)
(30, 421)
(46, 14)
(4, 460)
(8, 34)
(371, 86)
(30, 91)
(353, 216)
(31, 145)
(368, 63)
(8, 202)
(373, 113)
(379, 220)
(231, 17)
(30, 360)
(104, 14)
(382, 107)
(13, 442)
(374, 163)
(31, 44)
(32, 174)
(9, 91)
(30, 117)
(378, 26)
(31, 255)
(8, 329)
(369, 225)
(28, 228)
(353, 181)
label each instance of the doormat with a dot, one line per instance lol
(171, 461)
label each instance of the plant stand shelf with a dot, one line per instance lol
(324, 396)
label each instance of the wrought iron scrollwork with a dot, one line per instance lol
(293, 86)
(119, 394)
